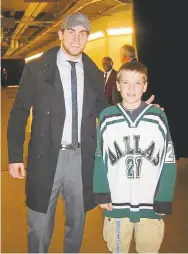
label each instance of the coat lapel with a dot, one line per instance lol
(86, 96)
(58, 105)
(89, 94)
(110, 79)
(51, 76)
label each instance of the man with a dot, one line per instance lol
(65, 90)
(109, 78)
(127, 53)
(4, 77)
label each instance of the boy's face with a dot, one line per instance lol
(131, 85)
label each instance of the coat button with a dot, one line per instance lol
(92, 135)
(46, 67)
(42, 134)
(39, 156)
(48, 112)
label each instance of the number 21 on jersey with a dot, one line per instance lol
(133, 166)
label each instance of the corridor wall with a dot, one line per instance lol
(110, 45)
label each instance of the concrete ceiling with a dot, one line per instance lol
(27, 26)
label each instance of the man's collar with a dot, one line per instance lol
(109, 71)
(133, 59)
(64, 57)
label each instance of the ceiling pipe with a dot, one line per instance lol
(78, 6)
(36, 22)
(31, 12)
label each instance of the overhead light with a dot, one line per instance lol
(96, 35)
(33, 57)
(119, 31)
(13, 86)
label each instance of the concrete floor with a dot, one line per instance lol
(14, 212)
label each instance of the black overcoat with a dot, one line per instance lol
(41, 88)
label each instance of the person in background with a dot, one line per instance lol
(64, 88)
(109, 78)
(4, 77)
(135, 167)
(127, 53)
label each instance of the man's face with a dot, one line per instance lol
(131, 85)
(124, 59)
(107, 64)
(74, 40)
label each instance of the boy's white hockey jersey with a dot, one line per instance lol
(135, 165)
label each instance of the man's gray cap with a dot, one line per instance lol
(76, 19)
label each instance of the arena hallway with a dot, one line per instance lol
(14, 212)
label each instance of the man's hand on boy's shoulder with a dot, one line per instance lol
(151, 99)
(107, 207)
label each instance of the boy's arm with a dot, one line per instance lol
(100, 182)
(166, 185)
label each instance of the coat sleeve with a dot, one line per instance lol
(19, 115)
(166, 185)
(100, 181)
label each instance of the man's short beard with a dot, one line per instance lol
(70, 53)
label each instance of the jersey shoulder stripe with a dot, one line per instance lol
(158, 117)
(109, 115)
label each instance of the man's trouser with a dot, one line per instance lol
(68, 183)
(148, 234)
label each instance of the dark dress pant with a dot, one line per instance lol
(68, 184)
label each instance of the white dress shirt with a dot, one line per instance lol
(65, 74)
(108, 75)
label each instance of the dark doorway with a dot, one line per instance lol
(161, 37)
(11, 71)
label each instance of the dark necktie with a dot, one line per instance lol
(74, 105)
(105, 77)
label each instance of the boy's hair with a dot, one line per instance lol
(133, 66)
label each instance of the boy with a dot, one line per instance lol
(135, 168)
